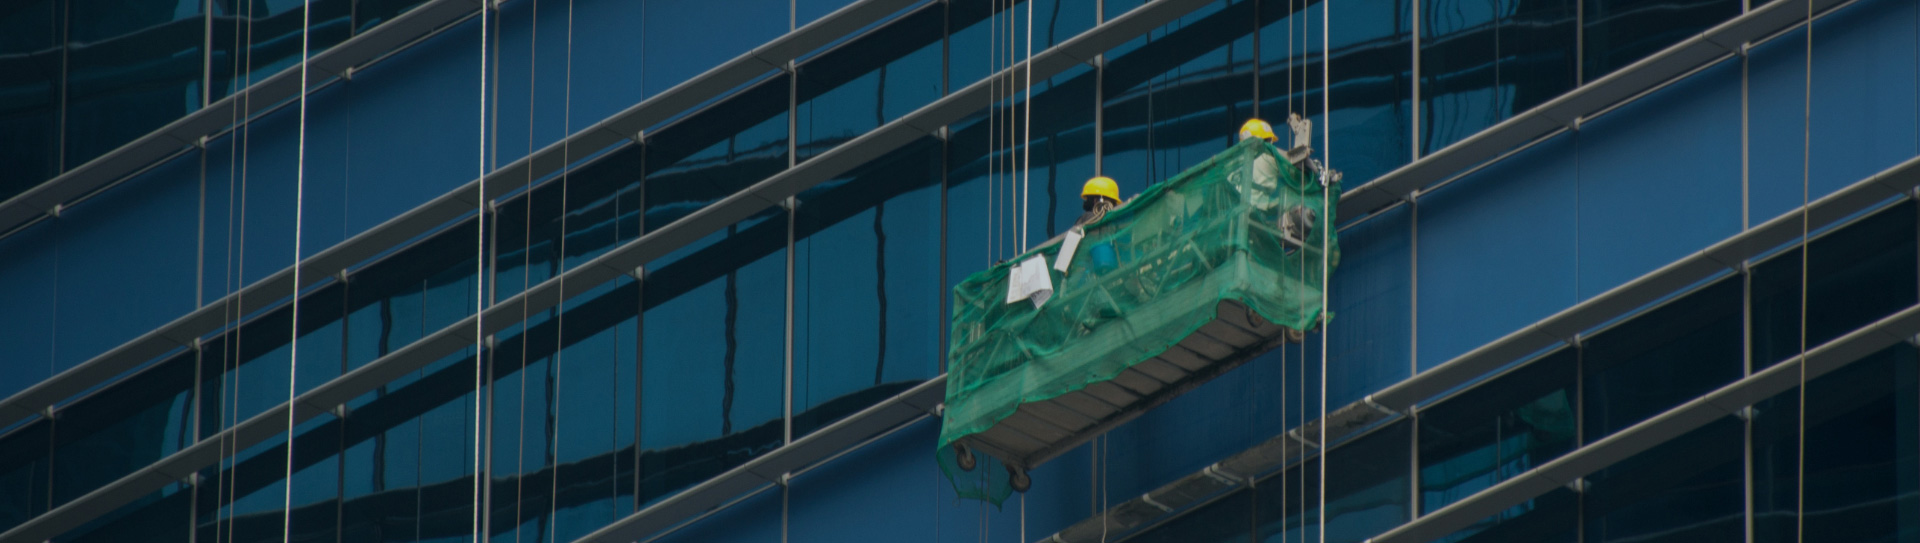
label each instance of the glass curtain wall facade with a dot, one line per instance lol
(800, 315)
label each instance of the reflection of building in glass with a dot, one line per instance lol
(1570, 306)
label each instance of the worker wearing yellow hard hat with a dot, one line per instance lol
(1256, 128)
(1098, 196)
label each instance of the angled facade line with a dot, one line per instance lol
(86, 179)
(1568, 110)
(1726, 401)
(621, 261)
(330, 263)
(1897, 182)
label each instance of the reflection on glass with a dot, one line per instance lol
(131, 68)
(1371, 69)
(717, 151)
(1619, 32)
(1177, 96)
(867, 269)
(1497, 430)
(254, 40)
(1660, 359)
(864, 83)
(1481, 62)
(29, 95)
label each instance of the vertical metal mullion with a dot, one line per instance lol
(1413, 287)
(946, 164)
(1580, 435)
(1413, 463)
(206, 53)
(1414, 123)
(1256, 59)
(640, 334)
(793, 205)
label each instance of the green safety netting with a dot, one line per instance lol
(1145, 276)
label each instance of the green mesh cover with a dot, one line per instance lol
(1145, 276)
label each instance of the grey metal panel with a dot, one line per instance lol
(1594, 97)
(1161, 370)
(1654, 431)
(1112, 393)
(435, 213)
(1082, 402)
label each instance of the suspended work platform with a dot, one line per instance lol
(1190, 279)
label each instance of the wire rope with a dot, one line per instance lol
(560, 314)
(1326, 240)
(299, 215)
(1026, 172)
(1806, 249)
(480, 276)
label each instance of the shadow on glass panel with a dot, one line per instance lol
(1482, 62)
(1860, 441)
(1619, 32)
(1553, 517)
(1497, 430)
(1859, 274)
(1688, 489)
(131, 68)
(1661, 359)
(1366, 488)
(31, 57)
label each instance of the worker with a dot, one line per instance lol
(1256, 128)
(1098, 196)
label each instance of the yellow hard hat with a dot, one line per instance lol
(1101, 186)
(1256, 128)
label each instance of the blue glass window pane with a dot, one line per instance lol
(1860, 445)
(1371, 69)
(867, 269)
(1373, 295)
(1178, 95)
(26, 277)
(252, 41)
(1553, 517)
(686, 37)
(1619, 32)
(1692, 127)
(369, 13)
(712, 360)
(1660, 359)
(1482, 62)
(25, 468)
(1367, 482)
(1497, 430)
(126, 262)
(877, 77)
(1689, 489)
(717, 151)
(132, 66)
(29, 98)
(1860, 273)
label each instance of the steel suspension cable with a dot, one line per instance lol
(299, 215)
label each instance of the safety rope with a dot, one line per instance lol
(1806, 248)
(560, 315)
(299, 215)
(1326, 241)
(480, 280)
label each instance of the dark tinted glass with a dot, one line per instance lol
(716, 152)
(1860, 443)
(1553, 517)
(1661, 358)
(1367, 489)
(866, 272)
(1228, 519)
(30, 55)
(1371, 69)
(1858, 274)
(864, 83)
(1178, 95)
(1482, 62)
(1497, 430)
(1619, 32)
(132, 66)
(1687, 489)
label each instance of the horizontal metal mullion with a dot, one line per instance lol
(427, 217)
(186, 131)
(1673, 423)
(1568, 109)
(1620, 301)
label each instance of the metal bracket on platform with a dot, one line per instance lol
(1217, 473)
(1296, 435)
